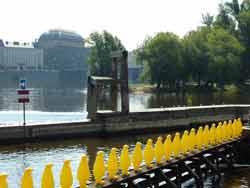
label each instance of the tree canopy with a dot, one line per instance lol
(216, 53)
(196, 54)
(224, 57)
(102, 44)
(164, 66)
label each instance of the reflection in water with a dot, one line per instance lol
(44, 99)
(15, 158)
(197, 98)
(47, 104)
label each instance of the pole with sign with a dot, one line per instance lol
(24, 96)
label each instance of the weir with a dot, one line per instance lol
(168, 162)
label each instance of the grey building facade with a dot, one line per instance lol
(63, 50)
(16, 56)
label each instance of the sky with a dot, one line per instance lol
(130, 20)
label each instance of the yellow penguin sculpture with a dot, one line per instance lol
(27, 180)
(66, 177)
(168, 147)
(218, 133)
(199, 138)
(176, 145)
(137, 157)
(149, 153)
(192, 140)
(206, 136)
(3, 180)
(83, 173)
(224, 131)
(212, 134)
(112, 164)
(240, 126)
(229, 130)
(159, 150)
(48, 177)
(234, 129)
(99, 168)
(125, 160)
(184, 142)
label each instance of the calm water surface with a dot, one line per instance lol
(69, 104)
(15, 158)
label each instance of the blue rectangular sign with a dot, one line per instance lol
(22, 84)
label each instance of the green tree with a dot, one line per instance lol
(233, 8)
(224, 20)
(240, 14)
(196, 54)
(224, 57)
(245, 5)
(207, 19)
(244, 37)
(162, 56)
(102, 44)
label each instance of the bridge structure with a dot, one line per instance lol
(191, 154)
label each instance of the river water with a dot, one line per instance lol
(15, 158)
(69, 104)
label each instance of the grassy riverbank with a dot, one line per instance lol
(141, 88)
(147, 88)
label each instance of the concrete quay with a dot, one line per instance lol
(108, 123)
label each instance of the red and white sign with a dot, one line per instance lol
(23, 100)
(23, 95)
(23, 92)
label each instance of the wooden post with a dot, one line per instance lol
(114, 88)
(91, 99)
(124, 83)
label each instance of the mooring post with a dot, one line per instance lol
(113, 87)
(91, 99)
(124, 80)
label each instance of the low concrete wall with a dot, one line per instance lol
(170, 118)
(110, 123)
(48, 131)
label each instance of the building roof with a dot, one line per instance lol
(59, 34)
(17, 44)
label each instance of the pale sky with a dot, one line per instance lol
(129, 20)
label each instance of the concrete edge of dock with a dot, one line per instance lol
(109, 123)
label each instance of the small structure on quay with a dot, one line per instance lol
(117, 82)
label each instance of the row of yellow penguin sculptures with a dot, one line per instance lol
(152, 154)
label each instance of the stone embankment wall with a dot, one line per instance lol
(110, 123)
